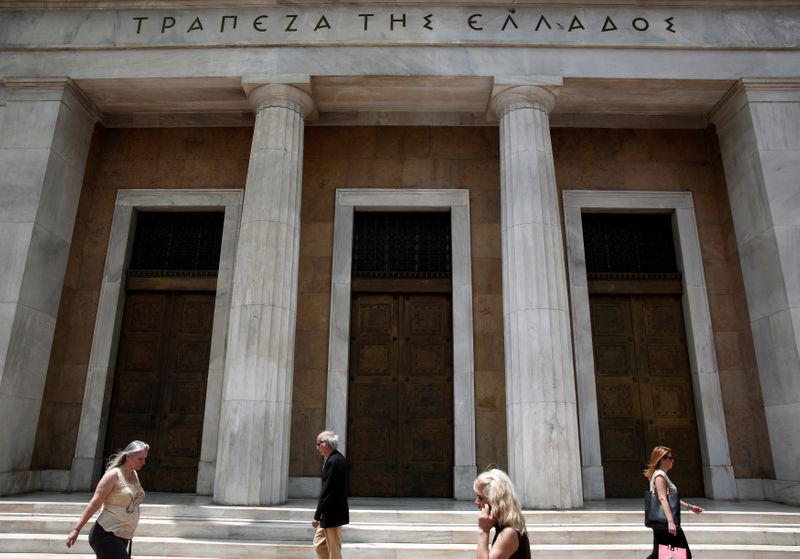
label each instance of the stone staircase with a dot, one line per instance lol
(188, 526)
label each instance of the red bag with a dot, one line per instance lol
(669, 552)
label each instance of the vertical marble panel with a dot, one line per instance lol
(544, 456)
(255, 428)
(757, 125)
(44, 142)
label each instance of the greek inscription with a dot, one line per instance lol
(512, 21)
(322, 24)
(366, 19)
(608, 25)
(139, 21)
(542, 20)
(473, 22)
(167, 22)
(224, 19)
(260, 24)
(393, 20)
(508, 20)
(575, 24)
(196, 25)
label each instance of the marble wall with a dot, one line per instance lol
(144, 158)
(404, 157)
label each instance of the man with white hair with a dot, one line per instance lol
(332, 511)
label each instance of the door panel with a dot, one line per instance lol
(160, 384)
(400, 436)
(644, 390)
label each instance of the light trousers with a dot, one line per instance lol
(328, 543)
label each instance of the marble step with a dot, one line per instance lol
(282, 530)
(30, 546)
(384, 516)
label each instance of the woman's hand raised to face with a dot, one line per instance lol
(485, 519)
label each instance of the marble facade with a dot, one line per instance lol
(523, 72)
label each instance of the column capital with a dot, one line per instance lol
(528, 92)
(288, 91)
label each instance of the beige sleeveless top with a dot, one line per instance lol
(120, 513)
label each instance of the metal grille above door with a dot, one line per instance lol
(629, 244)
(401, 245)
(176, 243)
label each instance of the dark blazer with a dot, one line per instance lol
(332, 509)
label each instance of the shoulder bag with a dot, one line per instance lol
(653, 513)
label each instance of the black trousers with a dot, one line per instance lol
(106, 545)
(663, 537)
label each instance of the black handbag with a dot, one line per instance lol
(653, 513)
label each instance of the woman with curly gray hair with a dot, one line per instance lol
(499, 509)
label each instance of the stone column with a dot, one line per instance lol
(758, 125)
(255, 423)
(47, 127)
(541, 405)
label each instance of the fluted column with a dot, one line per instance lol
(255, 423)
(541, 406)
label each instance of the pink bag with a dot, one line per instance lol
(669, 552)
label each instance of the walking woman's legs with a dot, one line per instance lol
(106, 545)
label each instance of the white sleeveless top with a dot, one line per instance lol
(120, 514)
(671, 487)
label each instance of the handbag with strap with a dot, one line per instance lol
(653, 513)
(670, 552)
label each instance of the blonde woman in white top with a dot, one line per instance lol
(661, 461)
(120, 494)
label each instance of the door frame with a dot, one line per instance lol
(457, 202)
(87, 463)
(718, 475)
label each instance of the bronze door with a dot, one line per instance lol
(400, 402)
(644, 391)
(160, 384)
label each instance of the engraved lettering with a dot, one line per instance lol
(609, 25)
(222, 22)
(322, 24)
(260, 23)
(366, 19)
(473, 24)
(575, 24)
(542, 20)
(670, 25)
(508, 20)
(139, 24)
(640, 24)
(428, 24)
(393, 20)
(292, 18)
(167, 22)
(196, 25)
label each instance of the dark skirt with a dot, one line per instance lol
(663, 537)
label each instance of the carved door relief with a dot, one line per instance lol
(400, 403)
(160, 383)
(644, 390)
